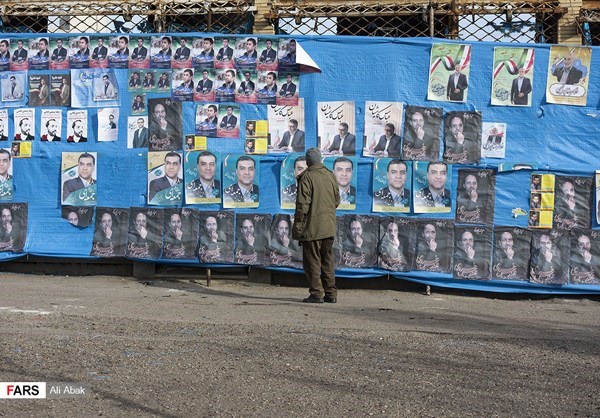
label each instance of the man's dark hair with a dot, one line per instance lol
(343, 160)
(252, 40)
(5, 151)
(396, 161)
(4, 42)
(166, 38)
(87, 155)
(173, 154)
(345, 125)
(205, 154)
(244, 158)
(124, 38)
(272, 74)
(209, 40)
(430, 163)
(213, 107)
(299, 160)
(85, 39)
(189, 71)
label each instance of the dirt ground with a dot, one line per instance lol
(176, 348)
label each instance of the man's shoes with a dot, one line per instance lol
(313, 299)
(330, 299)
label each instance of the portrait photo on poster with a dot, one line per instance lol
(392, 183)
(216, 237)
(382, 121)
(202, 177)
(475, 196)
(462, 137)
(241, 179)
(435, 245)
(283, 250)
(78, 216)
(13, 229)
(180, 233)
(251, 238)
(396, 247)
(572, 200)
(78, 178)
(203, 53)
(472, 252)
(291, 168)
(449, 69)
(110, 232)
(422, 130)
(51, 125)
(357, 240)
(286, 128)
(345, 171)
(165, 178)
(144, 236)
(432, 182)
(165, 125)
(584, 263)
(550, 251)
(512, 78)
(511, 253)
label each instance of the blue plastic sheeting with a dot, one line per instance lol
(561, 139)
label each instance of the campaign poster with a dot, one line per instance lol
(215, 244)
(60, 90)
(205, 80)
(224, 48)
(3, 124)
(472, 252)
(289, 89)
(138, 106)
(267, 54)
(108, 124)
(39, 54)
(207, 119)
(246, 86)
(252, 238)
(422, 130)
(584, 263)
(195, 142)
(357, 239)
(245, 53)
(291, 168)
(165, 178)
(435, 245)
(39, 89)
(79, 52)
(225, 85)
(118, 51)
(110, 232)
(267, 87)
(13, 230)
(397, 241)
(51, 125)
(382, 125)
(256, 136)
(283, 251)
(79, 216)
(161, 52)
(24, 124)
(13, 85)
(94, 87)
(336, 128)
(135, 81)
(512, 79)
(6, 175)
(549, 262)
(475, 196)
(165, 124)
(202, 174)
(241, 177)
(572, 199)
(99, 48)
(182, 88)
(203, 53)
(180, 234)
(137, 132)
(449, 69)
(392, 183)
(597, 205)
(286, 54)
(149, 82)
(144, 236)
(20, 149)
(432, 182)
(59, 57)
(77, 126)
(462, 137)
(229, 117)
(286, 128)
(182, 58)
(140, 57)
(568, 75)
(345, 171)
(78, 178)
(511, 253)
(493, 140)
(19, 58)
(4, 54)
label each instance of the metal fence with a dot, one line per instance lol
(236, 16)
(527, 22)
(588, 24)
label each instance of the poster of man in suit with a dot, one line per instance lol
(512, 77)
(382, 129)
(449, 68)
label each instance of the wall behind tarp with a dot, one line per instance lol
(561, 139)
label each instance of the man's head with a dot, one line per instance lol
(292, 46)
(568, 190)
(250, 45)
(3, 45)
(545, 243)
(207, 166)
(59, 43)
(245, 170)
(165, 43)
(140, 123)
(85, 169)
(163, 76)
(521, 72)
(182, 42)
(111, 118)
(5, 160)
(77, 128)
(389, 129)
(300, 165)
(106, 221)
(343, 128)
(355, 229)
(283, 229)
(187, 75)
(429, 232)
(247, 75)
(568, 61)
(535, 199)
(6, 216)
(123, 42)
(313, 156)
(19, 44)
(536, 180)
(25, 125)
(43, 44)
(457, 69)
(211, 224)
(247, 227)
(506, 241)
(140, 220)
(288, 78)
(392, 231)
(175, 222)
(269, 43)
(229, 76)
(160, 112)
(437, 173)
(396, 175)
(211, 111)
(172, 165)
(205, 74)
(207, 44)
(140, 42)
(105, 78)
(83, 43)
(13, 80)
(271, 76)
(470, 184)
(293, 125)
(229, 110)
(73, 218)
(417, 121)
(250, 126)
(343, 168)
(466, 240)
(100, 41)
(583, 243)
(456, 125)
(225, 42)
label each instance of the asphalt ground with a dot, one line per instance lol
(180, 349)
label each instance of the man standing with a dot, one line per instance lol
(140, 136)
(435, 194)
(171, 177)
(315, 227)
(293, 138)
(457, 84)
(85, 170)
(343, 143)
(521, 87)
(394, 194)
(205, 186)
(389, 144)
